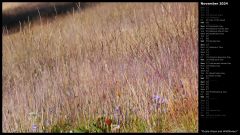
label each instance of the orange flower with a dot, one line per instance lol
(108, 121)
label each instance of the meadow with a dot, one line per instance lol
(112, 67)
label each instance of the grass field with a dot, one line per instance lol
(114, 67)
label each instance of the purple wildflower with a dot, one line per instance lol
(34, 127)
(158, 101)
(156, 98)
(117, 109)
(117, 114)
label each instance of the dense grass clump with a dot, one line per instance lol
(129, 67)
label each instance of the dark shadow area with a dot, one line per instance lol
(11, 19)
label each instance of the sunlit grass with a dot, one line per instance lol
(134, 63)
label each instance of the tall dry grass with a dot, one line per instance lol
(140, 57)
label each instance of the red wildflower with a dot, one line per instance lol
(108, 121)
